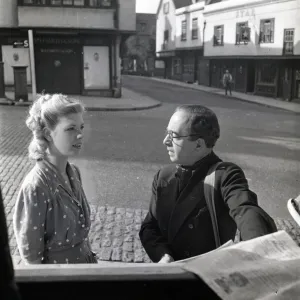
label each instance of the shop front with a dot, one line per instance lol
(69, 63)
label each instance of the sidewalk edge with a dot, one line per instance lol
(236, 98)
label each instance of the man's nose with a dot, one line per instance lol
(167, 141)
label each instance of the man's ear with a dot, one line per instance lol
(47, 134)
(200, 143)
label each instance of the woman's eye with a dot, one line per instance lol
(69, 129)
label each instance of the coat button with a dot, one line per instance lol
(187, 253)
(191, 226)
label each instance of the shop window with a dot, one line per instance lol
(242, 33)
(219, 35)
(195, 29)
(183, 30)
(288, 42)
(267, 31)
(267, 73)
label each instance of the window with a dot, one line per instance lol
(267, 73)
(34, 2)
(166, 39)
(166, 35)
(242, 33)
(183, 30)
(219, 35)
(143, 27)
(195, 29)
(166, 8)
(267, 31)
(84, 3)
(288, 42)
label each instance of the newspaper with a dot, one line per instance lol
(264, 268)
(229, 243)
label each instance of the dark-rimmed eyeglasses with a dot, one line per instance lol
(172, 135)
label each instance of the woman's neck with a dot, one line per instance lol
(59, 162)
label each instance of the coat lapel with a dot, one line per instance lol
(187, 201)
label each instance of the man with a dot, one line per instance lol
(8, 287)
(227, 80)
(178, 224)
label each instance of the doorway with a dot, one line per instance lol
(250, 77)
(96, 67)
(58, 69)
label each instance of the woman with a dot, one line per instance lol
(52, 215)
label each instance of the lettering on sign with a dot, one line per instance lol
(68, 51)
(250, 12)
(57, 41)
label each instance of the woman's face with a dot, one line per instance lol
(67, 137)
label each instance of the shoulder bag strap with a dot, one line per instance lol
(209, 194)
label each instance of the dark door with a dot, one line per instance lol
(240, 76)
(203, 72)
(215, 74)
(58, 69)
(285, 83)
(250, 77)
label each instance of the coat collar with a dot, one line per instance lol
(190, 197)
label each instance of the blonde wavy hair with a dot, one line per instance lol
(45, 112)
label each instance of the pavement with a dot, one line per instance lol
(133, 101)
(266, 101)
(128, 102)
(114, 230)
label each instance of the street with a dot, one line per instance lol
(123, 150)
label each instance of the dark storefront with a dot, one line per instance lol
(242, 71)
(70, 62)
(277, 78)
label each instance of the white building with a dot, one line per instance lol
(179, 37)
(76, 43)
(257, 40)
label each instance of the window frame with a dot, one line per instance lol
(262, 35)
(285, 42)
(86, 4)
(184, 30)
(238, 37)
(222, 36)
(166, 8)
(195, 31)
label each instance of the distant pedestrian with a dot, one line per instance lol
(227, 81)
(52, 216)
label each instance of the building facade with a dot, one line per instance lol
(180, 38)
(259, 42)
(76, 43)
(138, 53)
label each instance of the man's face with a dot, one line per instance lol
(180, 149)
(67, 136)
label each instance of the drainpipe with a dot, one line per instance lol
(116, 80)
(203, 43)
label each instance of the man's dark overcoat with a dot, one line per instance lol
(178, 222)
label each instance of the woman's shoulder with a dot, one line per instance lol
(35, 178)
